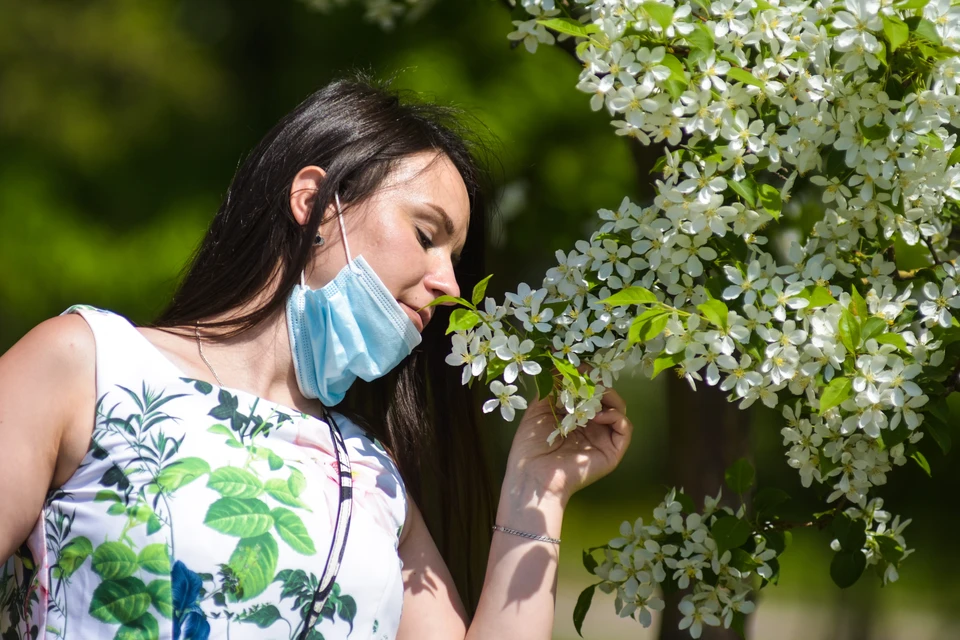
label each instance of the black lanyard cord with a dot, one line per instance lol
(340, 531)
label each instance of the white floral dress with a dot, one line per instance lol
(203, 512)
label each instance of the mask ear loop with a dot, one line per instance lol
(343, 232)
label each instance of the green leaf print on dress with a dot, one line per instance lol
(247, 498)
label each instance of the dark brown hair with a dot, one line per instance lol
(357, 131)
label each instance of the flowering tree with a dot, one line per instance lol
(752, 100)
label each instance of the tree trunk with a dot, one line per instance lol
(707, 434)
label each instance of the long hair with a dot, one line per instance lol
(357, 131)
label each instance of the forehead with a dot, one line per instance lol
(430, 179)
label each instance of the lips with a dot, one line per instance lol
(419, 319)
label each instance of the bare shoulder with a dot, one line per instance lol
(61, 347)
(48, 390)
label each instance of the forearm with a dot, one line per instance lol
(519, 590)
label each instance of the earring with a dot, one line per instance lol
(318, 241)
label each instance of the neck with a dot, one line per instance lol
(258, 360)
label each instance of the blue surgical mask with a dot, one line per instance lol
(350, 328)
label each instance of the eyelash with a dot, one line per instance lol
(425, 241)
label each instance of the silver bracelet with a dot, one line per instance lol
(524, 534)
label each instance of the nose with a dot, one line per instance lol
(441, 280)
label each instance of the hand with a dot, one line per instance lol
(587, 454)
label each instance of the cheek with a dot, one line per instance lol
(399, 262)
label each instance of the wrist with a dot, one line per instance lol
(526, 506)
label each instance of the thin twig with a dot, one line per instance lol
(933, 252)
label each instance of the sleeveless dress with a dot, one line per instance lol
(203, 512)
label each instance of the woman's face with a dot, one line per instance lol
(411, 231)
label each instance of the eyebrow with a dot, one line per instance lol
(447, 222)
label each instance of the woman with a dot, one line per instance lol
(187, 480)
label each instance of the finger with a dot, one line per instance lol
(614, 426)
(608, 416)
(613, 399)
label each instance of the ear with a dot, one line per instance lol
(303, 192)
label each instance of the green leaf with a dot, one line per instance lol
(262, 617)
(583, 605)
(896, 31)
(744, 76)
(347, 609)
(114, 560)
(746, 189)
(240, 517)
(715, 311)
(847, 567)
(563, 25)
(839, 389)
(223, 430)
(74, 554)
(895, 437)
(701, 38)
(106, 496)
(447, 300)
(776, 540)
(648, 325)
(878, 131)
(818, 297)
(480, 289)
(280, 491)
(631, 295)
(589, 562)
(143, 628)
(923, 28)
(850, 533)
(954, 157)
(743, 561)
(730, 533)
(739, 476)
(462, 320)
(931, 140)
(161, 595)
(921, 461)
(768, 499)
(677, 83)
(181, 472)
(895, 339)
(739, 624)
(858, 305)
(890, 549)
(119, 601)
(770, 200)
(155, 559)
(881, 53)
(296, 482)
(254, 562)
(545, 381)
(686, 502)
(293, 531)
(662, 14)
(274, 461)
(849, 331)
(232, 482)
(666, 361)
(937, 424)
(912, 4)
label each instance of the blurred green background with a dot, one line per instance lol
(121, 124)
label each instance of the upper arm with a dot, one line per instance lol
(431, 604)
(47, 389)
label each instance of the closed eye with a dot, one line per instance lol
(425, 241)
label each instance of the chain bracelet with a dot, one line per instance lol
(524, 534)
